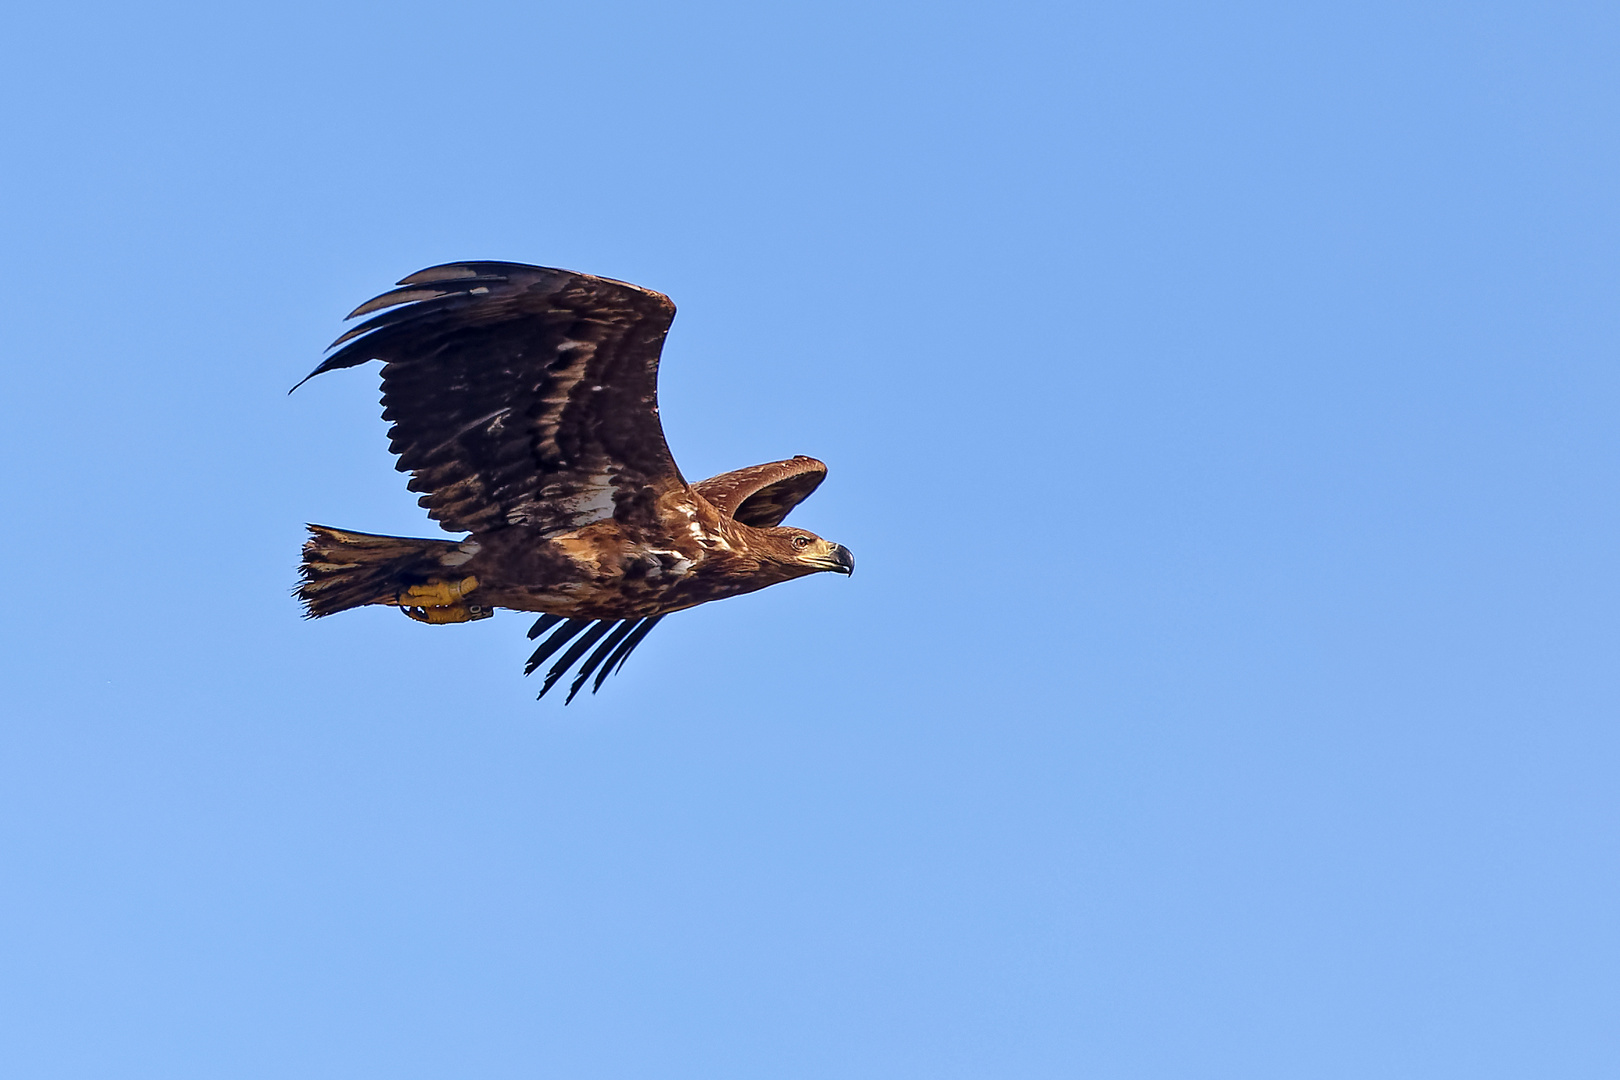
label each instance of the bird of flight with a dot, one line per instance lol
(524, 404)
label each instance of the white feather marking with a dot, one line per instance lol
(586, 507)
(463, 553)
(594, 504)
(707, 539)
(663, 561)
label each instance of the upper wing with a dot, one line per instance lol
(762, 495)
(521, 395)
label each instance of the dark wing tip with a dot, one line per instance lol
(557, 640)
(436, 289)
(390, 299)
(577, 650)
(613, 640)
(591, 663)
(461, 271)
(542, 624)
(452, 282)
(622, 653)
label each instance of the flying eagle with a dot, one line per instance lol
(524, 403)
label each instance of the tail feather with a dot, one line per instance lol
(343, 570)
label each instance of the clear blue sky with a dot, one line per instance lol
(1221, 401)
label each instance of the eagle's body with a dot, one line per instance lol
(609, 571)
(524, 403)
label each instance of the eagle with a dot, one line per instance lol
(524, 404)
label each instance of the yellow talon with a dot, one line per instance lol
(436, 593)
(442, 602)
(448, 614)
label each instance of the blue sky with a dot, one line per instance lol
(1220, 401)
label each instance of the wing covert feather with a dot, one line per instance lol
(762, 495)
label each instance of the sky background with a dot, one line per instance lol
(1220, 401)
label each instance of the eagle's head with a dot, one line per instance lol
(802, 551)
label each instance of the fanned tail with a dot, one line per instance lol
(343, 570)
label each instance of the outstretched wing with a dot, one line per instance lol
(521, 395)
(762, 495)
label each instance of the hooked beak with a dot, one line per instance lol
(843, 560)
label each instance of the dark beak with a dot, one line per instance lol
(843, 559)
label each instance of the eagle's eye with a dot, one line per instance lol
(801, 541)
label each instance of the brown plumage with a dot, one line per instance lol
(524, 404)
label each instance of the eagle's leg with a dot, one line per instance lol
(450, 614)
(436, 593)
(442, 602)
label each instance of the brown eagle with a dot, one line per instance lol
(524, 403)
